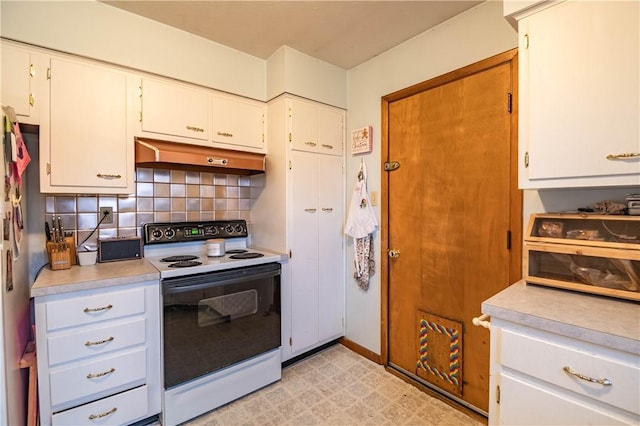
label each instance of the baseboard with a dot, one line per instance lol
(360, 350)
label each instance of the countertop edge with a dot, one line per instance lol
(510, 305)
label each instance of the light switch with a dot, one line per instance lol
(374, 198)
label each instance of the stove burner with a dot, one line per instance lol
(185, 263)
(236, 251)
(246, 255)
(178, 258)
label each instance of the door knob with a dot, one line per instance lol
(393, 253)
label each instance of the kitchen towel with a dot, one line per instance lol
(361, 224)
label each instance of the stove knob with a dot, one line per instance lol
(170, 233)
(229, 229)
(239, 229)
(156, 234)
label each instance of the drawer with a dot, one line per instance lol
(96, 341)
(83, 382)
(82, 310)
(124, 408)
(524, 403)
(546, 360)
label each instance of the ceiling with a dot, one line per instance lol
(342, 33)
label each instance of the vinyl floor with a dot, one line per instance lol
(336, 387)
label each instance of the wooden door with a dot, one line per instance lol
(450, 210)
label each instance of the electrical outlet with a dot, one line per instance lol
(108, 211)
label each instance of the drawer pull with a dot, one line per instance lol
(195, 129)
(106, 413)
(481, 321)
(310, 143)
(99, 342)
(225, 134)
(103, 308)
(324, 145)
(108, 176)
(104, 373)
(603, 382)
(327, 209)
(623, 156)
(310, 210)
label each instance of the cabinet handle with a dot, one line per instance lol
(103, 308)
(603, 382)
(310, 143)
(99, 342)
(481, 321)
(394, 253)
(106, 413)
(324, 145)
(195, 129)
(225, 134)
(108, 176)
(623, 156)
(310, 210)
(104, 373)
(217, 161)
(327, 209)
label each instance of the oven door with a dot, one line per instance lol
(218, 319)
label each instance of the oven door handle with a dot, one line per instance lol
(198, 283)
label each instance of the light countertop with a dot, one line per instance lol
(95, 276)
(606, 321)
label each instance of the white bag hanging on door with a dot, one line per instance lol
(361, 224)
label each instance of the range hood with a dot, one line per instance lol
(172, 155)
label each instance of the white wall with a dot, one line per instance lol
(472, 36)
(96, 30)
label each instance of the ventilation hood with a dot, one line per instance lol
(172, 155)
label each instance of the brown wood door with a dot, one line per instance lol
(450, 208)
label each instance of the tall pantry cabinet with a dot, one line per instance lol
(299, 209)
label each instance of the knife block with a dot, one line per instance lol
(61, 255)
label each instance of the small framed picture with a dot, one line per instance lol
(362, 140)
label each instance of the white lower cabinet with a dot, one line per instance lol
(99, 355)
(540, 378)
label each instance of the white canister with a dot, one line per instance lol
(215, 247)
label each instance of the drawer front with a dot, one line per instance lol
(83, 382)
(120, 409)
(522, 403)
(90, 309)
(94, 342)
(546, 360)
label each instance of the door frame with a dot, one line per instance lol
(515, 267)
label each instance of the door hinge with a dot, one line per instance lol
(48, 168)
(32, 70)
(509, 102)
(140, 116)
(289, 136)
(498, 394)
(526, 159)
(290, 254)
(48, 73)
(508, 240)
(290, 341)
(390, 166)
(526, 41)
(32, 100)
(290, 165)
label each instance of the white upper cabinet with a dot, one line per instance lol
(18, 82)
(316, 128)
(238, 123)
(174, 109)
(579, 91)
(86, 145)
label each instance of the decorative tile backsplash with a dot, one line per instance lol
(161, 196)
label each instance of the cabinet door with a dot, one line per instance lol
(88, 146)
(304, 249)
(330, 130)
(238, 122)
(174, 110)
(304, 125)
(331, 292)
(579, 85)
(18, 71)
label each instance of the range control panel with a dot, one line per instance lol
(158, 233)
